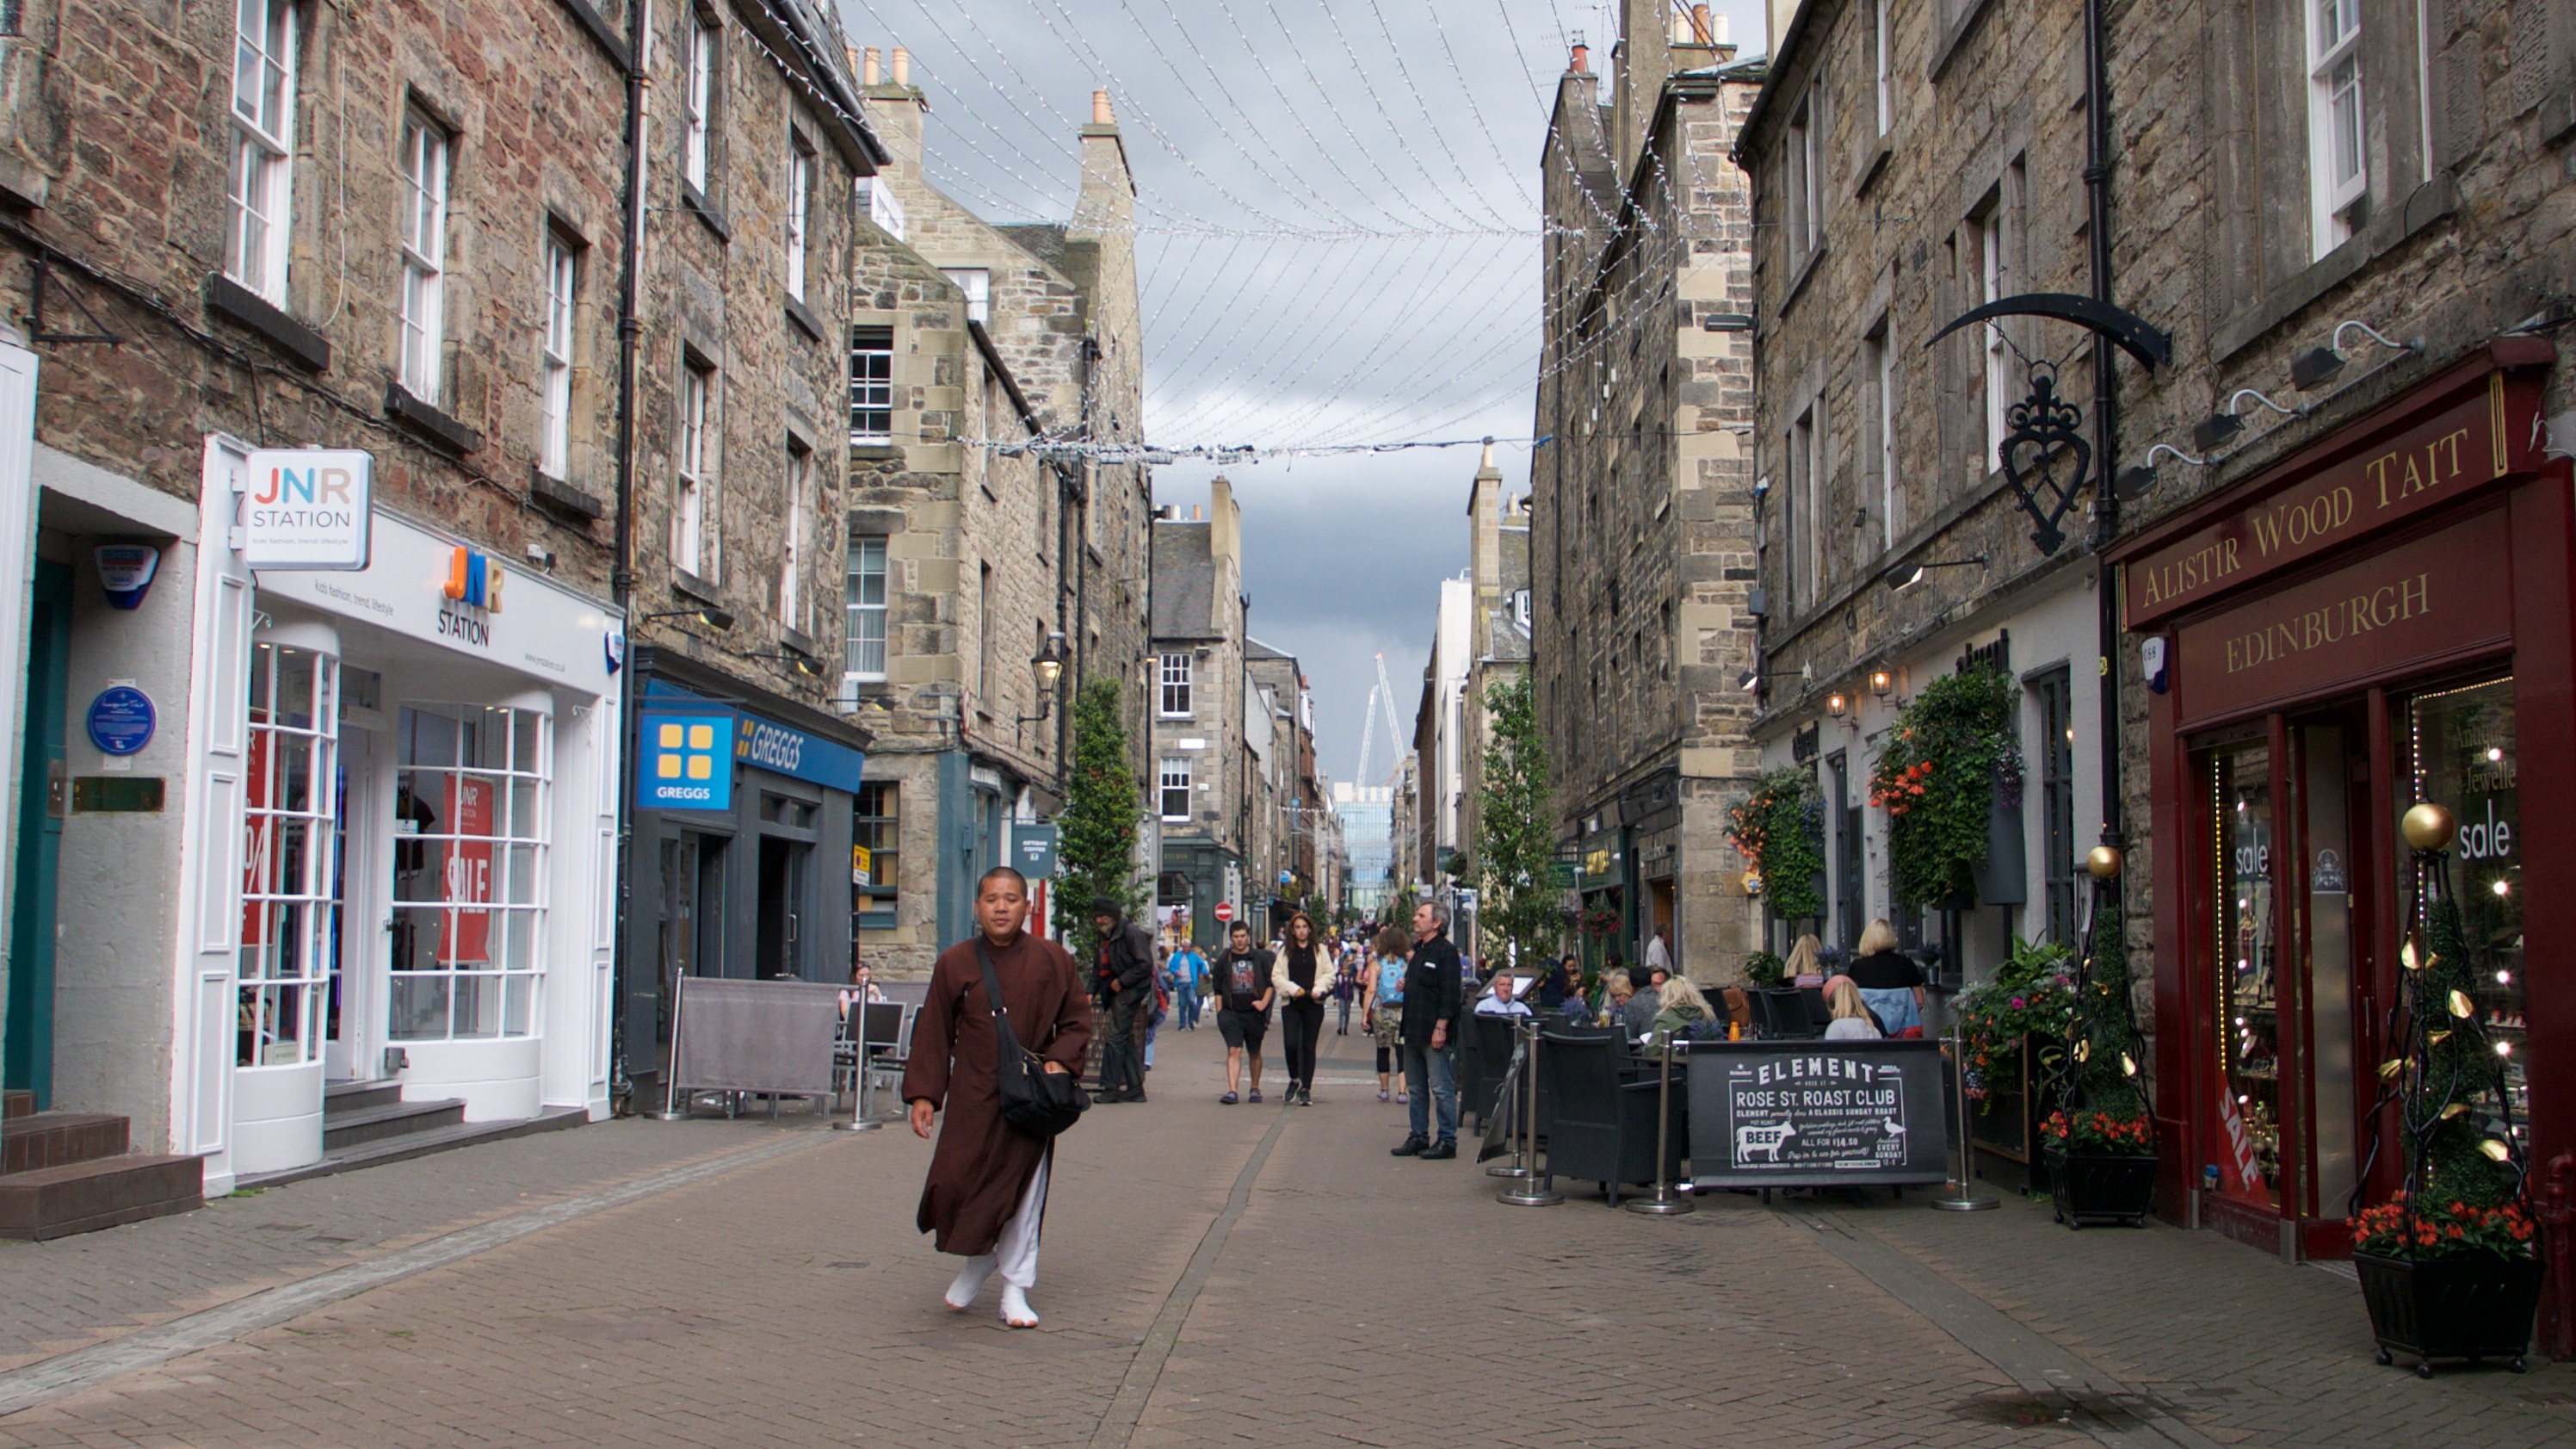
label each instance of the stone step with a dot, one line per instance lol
(58, 1139)
(17, 1102)
(342, 1097)
(388, 1119)
(53, 1202)
(403, 1146)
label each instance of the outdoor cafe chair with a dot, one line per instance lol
(1603, 1127)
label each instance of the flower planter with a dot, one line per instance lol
(2466, 1305)
(2102, 1187)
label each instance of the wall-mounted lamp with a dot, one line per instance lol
(711, 615)
(793, 660)
(2224, 424)
(1754, 676)
(1049, 669)
(1881, 681)
(1838, 704)
(2319, 365)
(2136, 481)
(1906, 576)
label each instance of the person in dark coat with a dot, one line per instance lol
(986, 1193)
(1431, 996)
(1123, 976)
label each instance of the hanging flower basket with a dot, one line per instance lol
(1779, 830)
(1954, 753)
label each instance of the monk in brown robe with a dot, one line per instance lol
(987, 1189)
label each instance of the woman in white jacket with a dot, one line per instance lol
(1301, 975)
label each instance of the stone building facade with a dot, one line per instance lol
(1911, 163)
(1641, 529)
(1498, 636)
(978, 553)
(1204, 784)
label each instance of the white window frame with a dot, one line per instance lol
(977, 284)
(1806, 202)
(290, 915)
(689, 511)
(1178, 673)
(261, 188)
(800, 189)
(496, 995)
(871, 386)
(866, 629)
(1174, 776)
(2338, 124)
(554, 450)
(791, 566)
(1884, 80)
(424, 254)
(1993, 274)
(697, 101)
(1798, 503)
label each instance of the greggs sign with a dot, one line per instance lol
(2479, 436)
(2444, 595)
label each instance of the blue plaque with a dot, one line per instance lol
(121, 720)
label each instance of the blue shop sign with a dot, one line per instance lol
(121, 720)
(784, 751)
(687, 762)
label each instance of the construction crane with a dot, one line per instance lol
(1381, 699)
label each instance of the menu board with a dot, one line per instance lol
(1816, 1113)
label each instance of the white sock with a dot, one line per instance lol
(970, 1281)
(1016, 1310)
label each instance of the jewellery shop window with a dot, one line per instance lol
(2247, 953)
(2462, 756)
(469, 865)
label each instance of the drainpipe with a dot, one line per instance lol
(2106, 429)
(621, 583)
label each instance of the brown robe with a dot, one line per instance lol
(981, 1167)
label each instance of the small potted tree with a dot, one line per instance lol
(2447, 1267)
(2101, 1140)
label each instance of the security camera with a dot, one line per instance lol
(542, 556)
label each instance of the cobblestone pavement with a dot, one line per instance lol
(1212, 1275)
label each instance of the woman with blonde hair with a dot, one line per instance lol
(1889, 982)
(1806, 966)
(1851, 1015)
(1682, 1009)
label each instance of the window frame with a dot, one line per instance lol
(554, 355)
(877, 902)
(1994, 273)
(1883, 79)
(2334, 70)
(977, 284)
(1171, 769)
(871, 397)
(1883, 381)
(691, 515)
(519, 836)
(799, 488)
(858, 610)
(698, 101)
(260, 185)
(1176, 671)
(800, 190)
(426, 152)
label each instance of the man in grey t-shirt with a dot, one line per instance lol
(1638, 1016)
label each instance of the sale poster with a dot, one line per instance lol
(465, 928)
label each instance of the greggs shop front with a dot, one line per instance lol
(2381, 618)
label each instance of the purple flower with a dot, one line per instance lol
(2018, 1003)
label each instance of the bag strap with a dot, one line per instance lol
(993, 994)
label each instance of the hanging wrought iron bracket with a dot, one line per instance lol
(36, 331)
(2046, 435)
(2133, 334)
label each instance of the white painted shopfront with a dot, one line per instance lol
(400, 816)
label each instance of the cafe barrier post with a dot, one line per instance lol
(1536, 1190)
(1524, 1145)
(671, 1111)
(1963, 1183)
(1665, 1203)
(860, 1119)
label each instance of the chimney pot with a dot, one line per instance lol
(902, 66)
(870, 63)
(1194, 513)
(1101, 114)
(1702, 33)
(1581, 64)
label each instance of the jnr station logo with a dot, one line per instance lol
(472, 595)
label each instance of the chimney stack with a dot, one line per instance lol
(1582, 61)
(1703, 30)
(870, 63)
(902, 66)
(1101, 114)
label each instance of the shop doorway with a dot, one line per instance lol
(29, 1051)
(777, 943)
(690, 930)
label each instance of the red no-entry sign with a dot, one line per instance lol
(1224, 911)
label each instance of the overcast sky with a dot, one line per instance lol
(1338, 244)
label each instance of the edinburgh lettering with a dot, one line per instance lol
(2332, 623)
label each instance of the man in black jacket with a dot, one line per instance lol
(1123, 975)
(1431, 997)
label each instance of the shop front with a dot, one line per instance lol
(400, 816)
(2380, 619)
(741, 862)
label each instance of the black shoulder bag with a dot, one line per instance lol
(1035, 1101)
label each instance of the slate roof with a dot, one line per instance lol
(1043, 240)
(1184, 582)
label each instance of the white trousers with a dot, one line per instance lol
(1015, 1253)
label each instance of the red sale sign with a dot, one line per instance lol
(465, 932)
